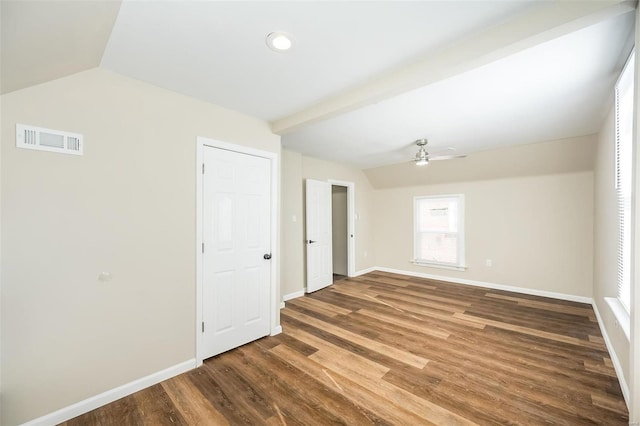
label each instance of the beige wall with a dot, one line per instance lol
(295, 169)
(538, 231)
(605, 274)
(537, 159)
(127, 207)
(291, 224)
(339, 229)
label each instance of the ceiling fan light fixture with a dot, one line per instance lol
(422, 156)
(279, 41)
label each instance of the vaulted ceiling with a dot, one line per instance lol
(363, 80)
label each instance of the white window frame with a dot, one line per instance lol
(461, 264)
(621, 304)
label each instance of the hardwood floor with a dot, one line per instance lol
(389, 349)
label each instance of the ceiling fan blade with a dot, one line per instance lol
(423, 157)
(438, 152)
(446, 157)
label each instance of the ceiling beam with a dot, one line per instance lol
(545, 21)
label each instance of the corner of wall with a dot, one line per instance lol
(1, 322)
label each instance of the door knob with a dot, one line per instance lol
(311, 241)
(267, 256)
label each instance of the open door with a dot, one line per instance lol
(318, 233)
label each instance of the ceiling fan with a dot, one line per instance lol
(422, 156)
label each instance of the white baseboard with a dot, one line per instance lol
(300, 293)
(614, 357)
(366, 271)
(276, 331)
(111, 395)
(533, 292)
(293, 295)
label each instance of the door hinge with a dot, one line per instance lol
(203, 247)
(202, 168)
(203, 326)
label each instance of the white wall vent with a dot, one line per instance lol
(42, 139)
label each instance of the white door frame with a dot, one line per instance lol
(274, 305)
(351, 223)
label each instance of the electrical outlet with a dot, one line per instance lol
(488, 263)
(105, 276)
(365, 253)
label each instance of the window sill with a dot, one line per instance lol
(621, 315)
(438, 265)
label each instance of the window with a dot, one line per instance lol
(624, 162)
(439, 231)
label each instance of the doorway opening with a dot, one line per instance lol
(339, 232)
(343, 210)
(321, 211)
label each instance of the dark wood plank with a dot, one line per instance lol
(156, 408)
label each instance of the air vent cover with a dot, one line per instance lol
(42, 139)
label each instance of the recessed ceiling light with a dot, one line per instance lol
(279, 41)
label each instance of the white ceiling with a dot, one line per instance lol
(364, 78)
(216, 51)
(555, 90)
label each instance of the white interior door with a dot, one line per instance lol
(236, 274)
(318, 217)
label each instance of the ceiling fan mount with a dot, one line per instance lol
(422, 156)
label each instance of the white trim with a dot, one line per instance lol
(199, 242)
(351, 224)
(612, 353)
(620, 313)
(275, 331)
(533, 292)
(201, 142)
(365, 271)
(439, 265)
(293, 295)
(275, 242)
(84, 406)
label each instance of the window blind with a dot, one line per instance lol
(623, 177)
